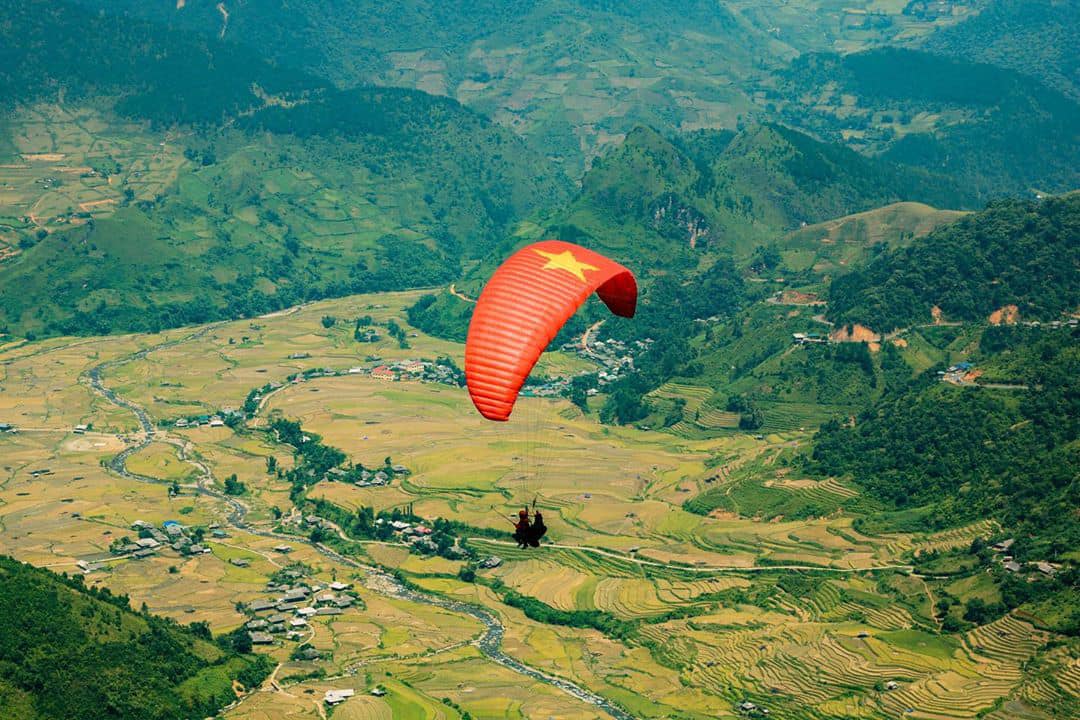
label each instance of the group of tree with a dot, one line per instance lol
(71, 651)
(1023, 253)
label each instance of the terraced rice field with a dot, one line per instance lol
(703, 635)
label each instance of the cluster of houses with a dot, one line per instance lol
(615, 358)
(962, 373)
(293, 605)
(424, 370)
(1011, 565)
(419, 537)
(1055, 324)
(200, 421)
(171, 535)
(362, 477)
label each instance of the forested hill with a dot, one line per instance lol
(961, 453)
(657, 196)
(993, 129)
(52, 49)
(1014, 253)
(1040, 38)
(69, 652)
(568, 74)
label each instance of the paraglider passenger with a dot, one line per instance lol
(522, 529)
(538, 530)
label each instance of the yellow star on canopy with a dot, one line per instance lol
(566, 261)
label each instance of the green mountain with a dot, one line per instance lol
(68, 651)
(677, 197)
(1040, 38)
(1025, 254)
(992, 129)
(571, 75)
(254, 202)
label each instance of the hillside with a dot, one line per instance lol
(1006, 450)
(719, 191)
(1014, 253)
(70, 652)
(1040, 38)
(992, 129)
(254, 202)
(570, 75)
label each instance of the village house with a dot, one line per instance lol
(80, 429)
(412, 367)
(1046, 568)
(260, 605)
(339, 586)
(144, 553)
(260, 638)
(333, 697)
(256, 624)
(382, 372)
(283, 548)
(329, 611)
(277, 618)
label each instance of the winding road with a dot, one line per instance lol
(377, 580)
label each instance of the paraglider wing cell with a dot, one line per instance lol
(523, 306)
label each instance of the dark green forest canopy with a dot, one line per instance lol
(1013, 253)
(70, 652)
(162, 75)
(1008, 134)
(1040, 38)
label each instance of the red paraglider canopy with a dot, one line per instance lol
(525, 303)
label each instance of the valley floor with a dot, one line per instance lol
(702, 613)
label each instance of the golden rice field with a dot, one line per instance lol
(712, 619)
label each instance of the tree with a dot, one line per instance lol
(234, 486)
(328, 321)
